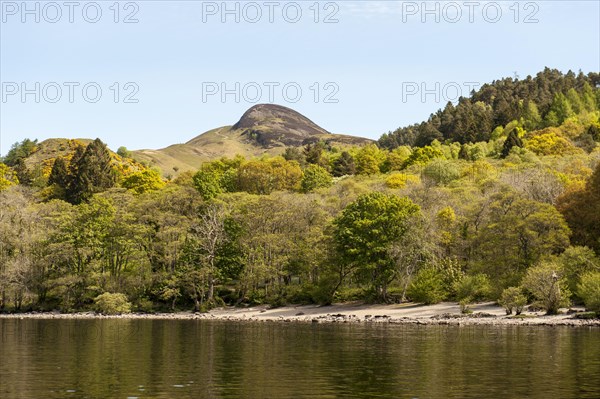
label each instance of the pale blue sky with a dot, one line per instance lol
(376, 49)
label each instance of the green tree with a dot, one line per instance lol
(21, 252)
(344, 165)
(208, 235)
(59, 174)
(412, 252)
(577, 261)
(513, 298)
(420, 156)
(395, 159)
(208, 181)
(581, 209)
(75, 249)
(59, 179)
(112, 303)
(589, 291)
(143, 181)
(265, 176)
(93, 172)
(575, 101)
(428, 286)
(513, 140)
(560, 110)
(365, 231)
(472, 288)
(313, 153)
(19, 151)
(516, 234)
(294, 154)
(24, 174)
(368, 159)
(441, 172)
(548, 286)
(315, 177)
(531, 116)
(123, 152)
(73, 171)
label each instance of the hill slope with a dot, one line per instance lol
(263, 129)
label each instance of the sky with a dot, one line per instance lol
(147, 74)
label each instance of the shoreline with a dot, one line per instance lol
(446, 313)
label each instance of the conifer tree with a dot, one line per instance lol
(344, 165)
(91, 173)
(513, 140)
(59, 174)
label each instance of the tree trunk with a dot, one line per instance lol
(211, 288)
(196, 301)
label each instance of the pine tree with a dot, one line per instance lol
(513, 140)
(313, 153)
(73, 185)
(344, 165)
(426, 134)
(59, 174)
(90, 173)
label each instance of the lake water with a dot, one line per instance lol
(212, 359)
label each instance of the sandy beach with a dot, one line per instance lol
(446, 313)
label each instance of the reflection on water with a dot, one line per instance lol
(211, 359)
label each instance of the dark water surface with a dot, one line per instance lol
(211, 359)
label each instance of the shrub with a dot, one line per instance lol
(349, 294)
(427, 287)
(451, 273)
(547, 285)
(513, 298)
(315, 177)
(112, 303)
(473, 288)
(145, 305)
(464, 306)
(143, 181)
(441, 171)
(589, 291)
(123, 152)
(400, 180)
(577, 261)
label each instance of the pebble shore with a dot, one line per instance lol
(441, 314)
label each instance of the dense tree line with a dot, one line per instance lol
(546, 100)
(443, 229)
(513, 218)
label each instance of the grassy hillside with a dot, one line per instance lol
(262, 130)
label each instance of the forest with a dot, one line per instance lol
(494, 198)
